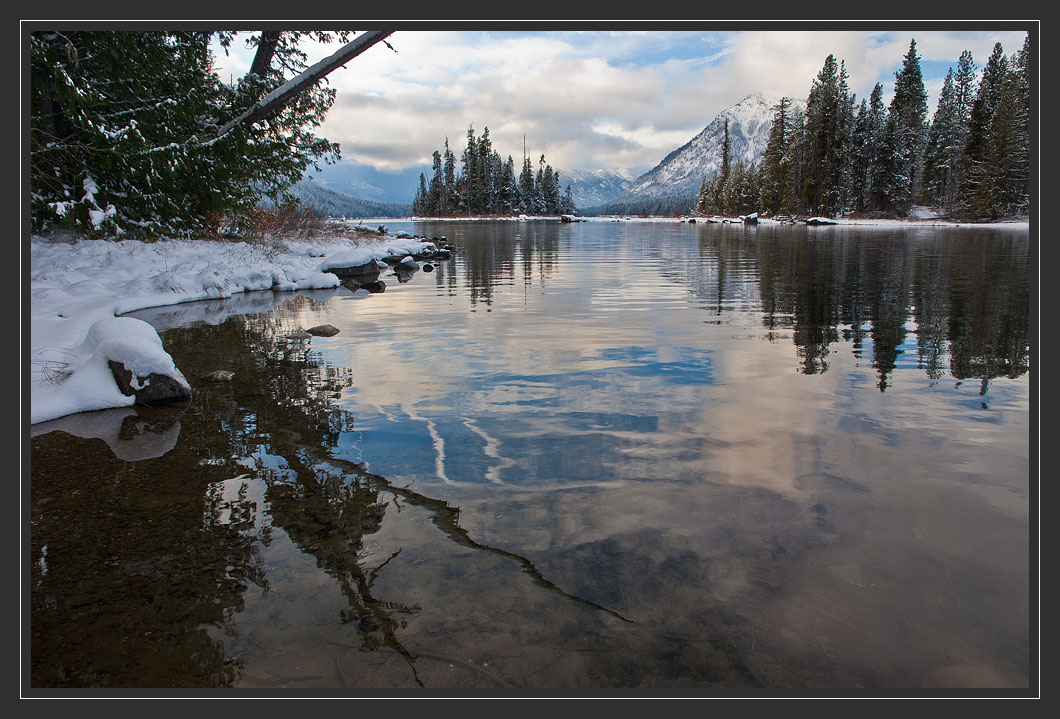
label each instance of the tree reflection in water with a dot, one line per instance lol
(130, 568)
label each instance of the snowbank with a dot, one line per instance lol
(78, 289)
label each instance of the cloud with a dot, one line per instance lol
(590, 99)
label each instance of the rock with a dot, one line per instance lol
(751, 219)
(368, 271)
(299, 335)
(352, 285)
(152, 389)
(692, 221)
(820, 221)
(219, 375)
(374, 287)
(428, 267)
(323, 330)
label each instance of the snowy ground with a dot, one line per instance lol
(77, 290)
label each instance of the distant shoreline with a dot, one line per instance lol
(833, 222)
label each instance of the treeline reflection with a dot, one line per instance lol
(956, 299)
(903, 295)
(139, 569)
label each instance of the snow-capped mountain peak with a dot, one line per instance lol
(682, 171)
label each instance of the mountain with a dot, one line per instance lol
(337, 204)
(594, 187)
(682, 171)
(366, 182)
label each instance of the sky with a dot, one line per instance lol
(591, 99)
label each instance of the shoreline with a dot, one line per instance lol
(76, 285)
(906, 223)
(76, 282)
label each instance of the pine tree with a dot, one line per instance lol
(436, 189)
(1004, 172)
(907, 132)
(450, 202)
(774, 170)
(123, 124)
(868, 144)
(509, 189)
(945, 133)
(970, 200)
(527, 193)
(567, 203)
(723, 174)
(419, 203)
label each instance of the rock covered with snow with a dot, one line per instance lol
(120, 362)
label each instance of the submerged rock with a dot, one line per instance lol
(323, 330)
(219, 375)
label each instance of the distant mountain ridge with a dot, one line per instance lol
(682, 171)
(337, 204)
(594, 187)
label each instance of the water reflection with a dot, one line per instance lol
(668, 456)
(132, 433)
(140, 585)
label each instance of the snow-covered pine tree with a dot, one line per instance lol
(773, 169)
(980, 120)
(1004, 173)
(449, 198)
(123, 127)
(945, 133)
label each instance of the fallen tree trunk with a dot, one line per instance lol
(279, 97)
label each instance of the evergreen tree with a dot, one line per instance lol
(567, 203)
(828, 128)
(774, 170)
(723, 174)
(868, 143)
(419, 204)
(944, 135)
(1004, 173)
(450, 202)
(980, 121)
(509, 189)
(539, 187)
(124, 124)
(436, 190)
(527, 193)
(909, 112)
(471, 185)
(899, 164)
(795, 162)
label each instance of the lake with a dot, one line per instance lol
(592, 455)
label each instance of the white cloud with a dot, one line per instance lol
(593, 99)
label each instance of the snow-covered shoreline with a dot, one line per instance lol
(73, 286)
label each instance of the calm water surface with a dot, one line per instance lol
(587, 455)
